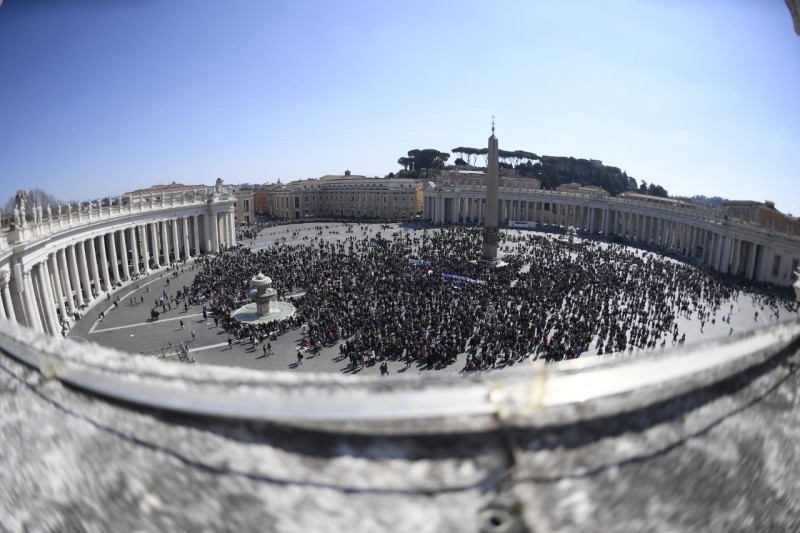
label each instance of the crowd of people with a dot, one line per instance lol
(425, 296)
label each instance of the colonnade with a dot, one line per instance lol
(719, 244)
(43, 286)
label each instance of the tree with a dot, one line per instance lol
(460, 162)
(440, 160)
(657, 190)
(643, 187)
(467, 154)
(504, 155)
(413, 155)
(406, 163)
(485, 153)
(35, 196)
(427, 158)
(462, 151)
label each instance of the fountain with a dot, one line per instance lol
(263, 307)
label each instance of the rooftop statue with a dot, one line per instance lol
(19, 200)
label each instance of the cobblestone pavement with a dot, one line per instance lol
(127, 327)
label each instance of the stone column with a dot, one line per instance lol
(9, 305)
(123, 253)
(232, 224)
(46, 297)
(112, 245)
(725, 255)
(207, 227)
(215, 237)
(165, 242)
(29, 301)
(175, 241)
(187, 253)
(717, 252)
(707, 239)
(737, 256)
(83, 270)
(196, 228)
(51, 296)
(145, 249)
(73, 275)
(674, 235)
(62, 268)
(104, 263)
(58, 292)
(154, 245)
(36, 300)
(134, 249)
(93, 263)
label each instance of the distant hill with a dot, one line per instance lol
(558, 170)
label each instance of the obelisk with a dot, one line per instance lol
(490, 236)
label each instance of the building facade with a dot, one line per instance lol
(261, 198)
(347, 197)
(762, 214)
(54, 263)
(727, 246)
(245, 205)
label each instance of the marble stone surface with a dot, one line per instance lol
(720, 458)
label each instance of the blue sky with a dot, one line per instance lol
(98, 97)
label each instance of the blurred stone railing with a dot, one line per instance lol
(529, 395)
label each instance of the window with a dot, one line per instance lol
(776, 265)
